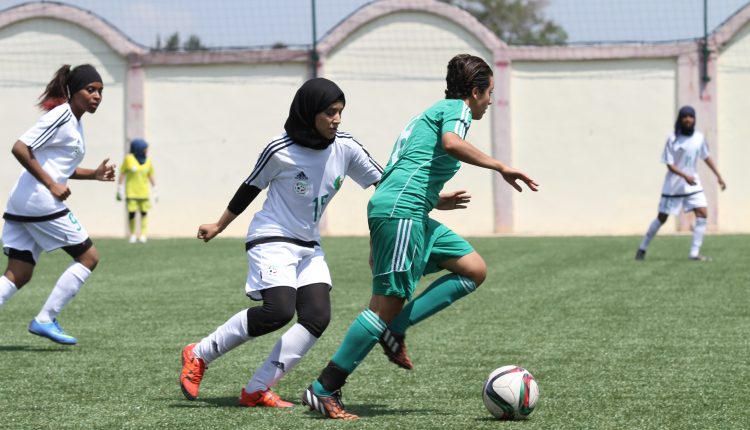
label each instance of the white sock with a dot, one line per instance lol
(698, 231)
(652, 229)
(287, 352)
(65, 289)
(7, 289)
(225, 338)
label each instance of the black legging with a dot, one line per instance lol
(312, 304)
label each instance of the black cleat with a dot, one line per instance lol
(394, 348)
(330, 406)
(640, 255)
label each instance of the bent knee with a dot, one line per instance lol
(477, 271)
(90, 261)
(279, 317)
(315, 323)
(478, 276)
(19, 280)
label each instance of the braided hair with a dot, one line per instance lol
(466, 72)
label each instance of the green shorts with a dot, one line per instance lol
(403, 250)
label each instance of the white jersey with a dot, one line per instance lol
(302, 181)
(57, 143)
(683, 152)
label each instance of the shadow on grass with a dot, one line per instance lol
(217, 402)
(27, 348)
(497, 420)
(370, 410)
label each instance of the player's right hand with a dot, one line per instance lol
(60, 191)
(690, 180)
(207, 232)
(511, 175)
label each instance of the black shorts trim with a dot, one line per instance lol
(77, 250)
(262, 240)
(681, 195)
(24, 218)
(25, 256)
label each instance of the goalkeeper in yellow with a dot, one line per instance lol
(137, 186)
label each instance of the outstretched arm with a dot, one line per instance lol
(468, 153)
(713, 168)
(242, 198)
(25, 156)
(207, 232)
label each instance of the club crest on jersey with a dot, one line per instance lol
(301, 186)
(338, 182)
(78, 151)
(272, 270)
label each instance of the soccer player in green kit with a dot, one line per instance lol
(405, 242)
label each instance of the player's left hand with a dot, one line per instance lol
(722, 184)
(453, 200)
(105, 172)
(207, 232)
(512, 175)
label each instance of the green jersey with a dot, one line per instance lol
(419, 166)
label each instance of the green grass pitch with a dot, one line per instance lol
(613, 343)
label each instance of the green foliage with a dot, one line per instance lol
(516, 22)
(173, 42)
(613, 343)
(194, 44)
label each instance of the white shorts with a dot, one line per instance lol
(275, 264)
(47, 236)
(672, 205)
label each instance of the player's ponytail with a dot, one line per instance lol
(56, 92)
(466, 72)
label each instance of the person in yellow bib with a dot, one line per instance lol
(137, 185)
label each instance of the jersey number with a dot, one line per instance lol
(318, 205)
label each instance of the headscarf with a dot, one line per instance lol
(313, 97)
(82, 76)
(138, 149)
(678, 128)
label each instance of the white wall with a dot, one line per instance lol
(591, 133)
(206, 126)
(733, 82)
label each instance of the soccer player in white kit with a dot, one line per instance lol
(36, 219)
(682, 187)
(303, 170)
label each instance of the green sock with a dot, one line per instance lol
(362, 335)
(319, 390)
(436, 297)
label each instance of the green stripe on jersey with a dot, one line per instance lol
(419, 167)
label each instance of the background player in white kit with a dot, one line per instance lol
(682, 187)
(303, 169)
(36, 219)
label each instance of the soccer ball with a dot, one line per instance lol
(510, 393)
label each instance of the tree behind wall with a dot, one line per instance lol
(173, 42)
(516, 22)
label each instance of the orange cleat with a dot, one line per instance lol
(394, 348)
(192, 372)
(330, 406)
(266, 398)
